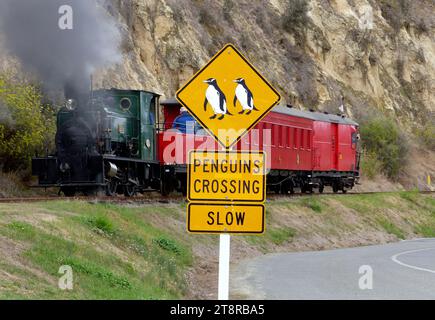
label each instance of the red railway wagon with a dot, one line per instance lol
(305, 149)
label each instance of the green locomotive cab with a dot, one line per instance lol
(129, 122)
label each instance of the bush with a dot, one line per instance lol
(167, 244)
(102, 223)
(396, 13)
(26, 125)
(427, 135)
(381, 138)
(295, 18)
(370, 165)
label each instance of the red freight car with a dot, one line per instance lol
(304, 149)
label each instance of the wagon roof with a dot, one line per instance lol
(316, 116)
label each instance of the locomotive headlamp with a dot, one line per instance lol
(64, 167)
(70, 104)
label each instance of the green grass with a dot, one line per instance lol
(426, 230)
(313, 204)
(152, 264)
(102, 223)
(390, 228)
(280, 235)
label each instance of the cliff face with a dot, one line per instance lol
(377, 54)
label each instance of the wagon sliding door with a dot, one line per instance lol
(334, 146)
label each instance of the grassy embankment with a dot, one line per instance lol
(144, 252)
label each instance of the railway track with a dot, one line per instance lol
(156, 198)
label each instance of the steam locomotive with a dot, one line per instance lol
(118, 143)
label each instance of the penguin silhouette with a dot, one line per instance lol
(216, 98)
(245, 97)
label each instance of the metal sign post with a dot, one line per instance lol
(224, 266)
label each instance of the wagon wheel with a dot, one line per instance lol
(165, 188)
(309, 189)
(111, 188)
(184, 188)
(129, 190)
(321, 188)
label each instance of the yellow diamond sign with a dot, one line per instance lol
(228, 96)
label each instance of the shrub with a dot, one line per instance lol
(26, 125)
(103, 224)
(396, 12)
(227, 10)
(427, 135)
(381, 137)
(295, 18)
(167, 244)
(370, 165)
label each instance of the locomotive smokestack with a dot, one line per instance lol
(61, 41)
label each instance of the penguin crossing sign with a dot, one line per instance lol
(220, 217)
(228, 96)
(226, 176)
(226, 190)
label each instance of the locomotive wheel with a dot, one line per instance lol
(335, 188)
(69, 192)
(321, 188)
(129, 190)
(111, 188)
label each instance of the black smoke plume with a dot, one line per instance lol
(62, 59)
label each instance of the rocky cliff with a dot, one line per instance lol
(376, 54)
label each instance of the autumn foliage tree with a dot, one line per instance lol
(26, 125)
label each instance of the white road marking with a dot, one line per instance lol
(394, 258)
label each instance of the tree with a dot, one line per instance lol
(26, 125)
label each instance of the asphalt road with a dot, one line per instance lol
(403, 270)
